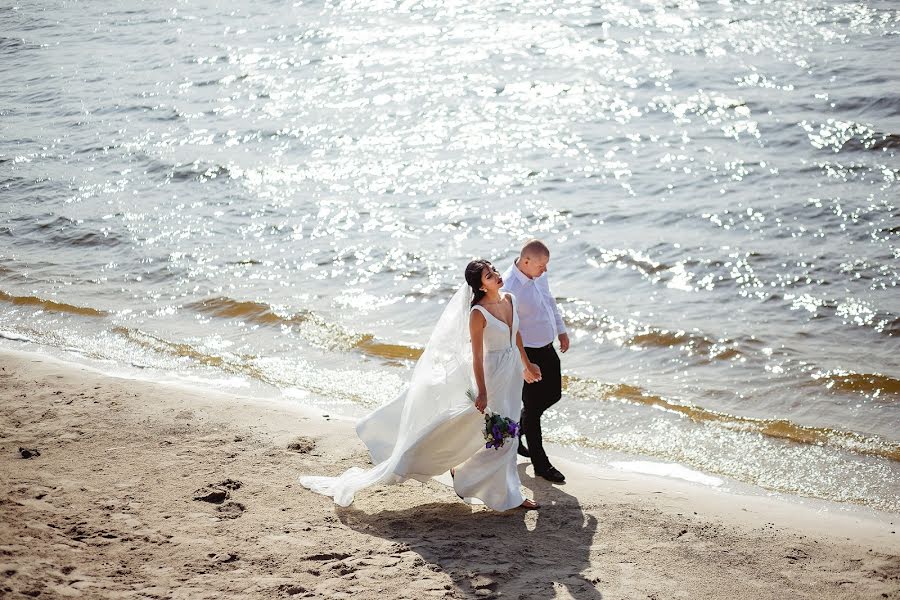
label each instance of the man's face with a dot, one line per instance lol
(534, 266)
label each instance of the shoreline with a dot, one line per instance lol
(577, 459)
(111, 508)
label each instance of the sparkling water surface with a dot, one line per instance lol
(287, 193)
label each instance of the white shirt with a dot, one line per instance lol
(539, 320)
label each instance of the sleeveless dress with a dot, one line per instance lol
(450, 436)
(490, 475)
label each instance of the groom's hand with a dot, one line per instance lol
(563, 342)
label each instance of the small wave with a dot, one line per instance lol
(632, 333)
(868, 383)
(158, 113)
(331, 384)
(626, 259)
(877, 143)
(17, 188)
(93, 148)
(11, 45)
(836, 136)
(15, 337)
(197, 171)
(892, 328)
(254, 312)
(64, 231)
(662, 338)
(157, 344)
(695, 343)
(887, 106)
(309, 325)
(774, 428)
(368, 345)
(52, 306)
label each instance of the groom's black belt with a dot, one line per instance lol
(550, 345)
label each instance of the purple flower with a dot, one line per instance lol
(497, 428)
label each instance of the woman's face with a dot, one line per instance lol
(490, 279)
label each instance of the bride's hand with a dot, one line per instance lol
(532, 373)
(481, 402)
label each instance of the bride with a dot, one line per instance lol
(432, 426)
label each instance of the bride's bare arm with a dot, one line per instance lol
(476, 332)
(531, 372)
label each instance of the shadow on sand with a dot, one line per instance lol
(516, 554)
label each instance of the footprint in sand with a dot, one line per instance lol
(303, 445)
(289, 589)
(231, 510)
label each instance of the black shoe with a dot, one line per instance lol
(523, 451)
(551, 473)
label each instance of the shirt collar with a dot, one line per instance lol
(522, 277)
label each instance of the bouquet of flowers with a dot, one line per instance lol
(497, 428)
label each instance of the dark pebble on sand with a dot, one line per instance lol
(224, 557)
(210, 494)
(29, 452)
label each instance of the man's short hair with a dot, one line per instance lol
(534, 248)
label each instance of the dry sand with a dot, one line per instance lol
(150, 490)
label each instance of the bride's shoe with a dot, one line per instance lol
(529, 505)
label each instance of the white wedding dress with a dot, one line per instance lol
(432, 426)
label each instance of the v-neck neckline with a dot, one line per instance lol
(508, 326)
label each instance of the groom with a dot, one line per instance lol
(540, 324)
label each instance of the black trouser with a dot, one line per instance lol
(538, 397)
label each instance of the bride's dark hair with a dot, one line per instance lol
(473, 278)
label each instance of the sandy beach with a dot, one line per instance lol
(152, 490)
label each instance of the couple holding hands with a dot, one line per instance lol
(496, 334)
